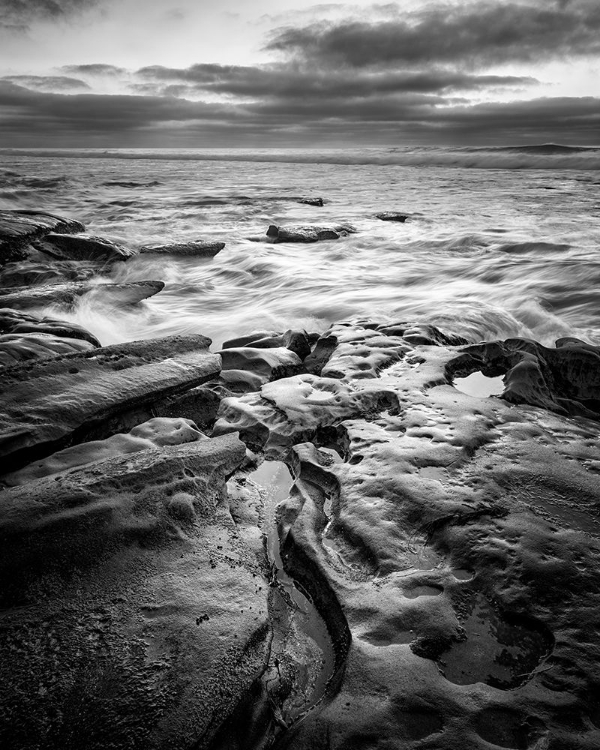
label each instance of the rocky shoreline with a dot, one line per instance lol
(446, 544)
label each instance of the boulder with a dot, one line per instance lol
(83, 247)
(66, 295)
(197, 249)
(49, 404)
(308, 233)
(392, 216)
(19, 228)
(134, 614)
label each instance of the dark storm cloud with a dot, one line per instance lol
(114, 113)
(291, 82)
(20, 13)
(47, 83)
(479, 34)
(94, 69)
(59, 119)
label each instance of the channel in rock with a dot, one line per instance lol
(306, 655)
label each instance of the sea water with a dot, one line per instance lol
(498, 242)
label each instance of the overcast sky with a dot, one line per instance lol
(284, 73)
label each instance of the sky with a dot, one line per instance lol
(292, 73)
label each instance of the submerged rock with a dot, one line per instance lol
(52, 403)
(311, 201)
(121, 587)
(308, 233)
(84, 247)
(19, 228)
(197, 249)
(66, 295)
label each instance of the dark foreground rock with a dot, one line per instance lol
(84, 247)
(134, 614)
(199, 249)
(19, 228)
(66, 295)
(49, 404)
(308, 233)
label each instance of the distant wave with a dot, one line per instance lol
(549, 148)
(545, 156)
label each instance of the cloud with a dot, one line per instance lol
(111, 121)
(21, 13)
(47, 83)
(478, 34)
(94, 69)
(293, 82)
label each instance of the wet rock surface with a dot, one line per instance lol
(458, 534)
(350, 553)
(65, 295)
(392, 216)
(83, 247)
(50, 403)
(19, 228)
(16, 321)
(199, 249)
(308, 233)
(118, 584)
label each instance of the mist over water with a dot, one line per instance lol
(510, 248)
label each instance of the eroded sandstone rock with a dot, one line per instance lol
(197, 249)
(66, 295)
(133, 612)
(459, 536)
(19, 228)
(20, 347)
(155, 433)
(16, 321)
(308, 233)
(84, 247)
(48, 404)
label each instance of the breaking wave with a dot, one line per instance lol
(543, 156)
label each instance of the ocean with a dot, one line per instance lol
(498, 243)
